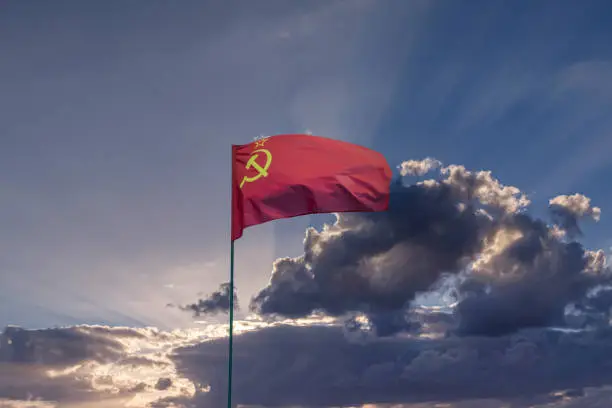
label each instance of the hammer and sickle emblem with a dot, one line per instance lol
(262, 171)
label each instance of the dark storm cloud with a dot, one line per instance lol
(320, 366)
(216, 302)
(316, 367)
(527, 283)
(58, 346)
(521, 271)
(377, 261)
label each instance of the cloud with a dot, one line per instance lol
(589, 77)
(60, 346)
(216, 302)
(188, 368)
(581, 94)
(6, 403)
(515, 270)
(376, 262)
(484, 188)
(526, 278)
(533, 367)
(419, 167)
(568, 209)
(91, 366)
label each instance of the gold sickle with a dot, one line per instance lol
(261, 171)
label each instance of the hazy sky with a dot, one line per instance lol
(116, 120)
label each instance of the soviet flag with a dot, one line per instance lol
(290, 175)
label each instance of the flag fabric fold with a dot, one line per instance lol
(286, 176)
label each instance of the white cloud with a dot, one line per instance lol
(577, 204)
(419, 167)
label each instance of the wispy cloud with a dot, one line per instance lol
(585, 88)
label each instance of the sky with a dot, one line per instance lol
(116, 120)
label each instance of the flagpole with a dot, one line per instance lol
(231, 328)
(231, 295)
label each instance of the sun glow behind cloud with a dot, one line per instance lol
(132, 367)
(145, 373)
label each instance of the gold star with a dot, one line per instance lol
(260, 143)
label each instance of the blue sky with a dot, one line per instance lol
(116, 120)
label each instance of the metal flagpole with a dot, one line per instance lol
(231, 328)
(231, 292)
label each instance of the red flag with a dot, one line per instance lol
(289, 175)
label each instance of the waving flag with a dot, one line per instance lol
(290, 175)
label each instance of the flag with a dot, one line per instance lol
(290, 175)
